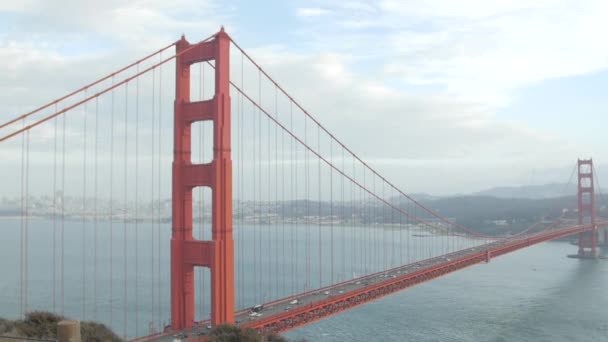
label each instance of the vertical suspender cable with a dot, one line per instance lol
(84, 210)
(319, 210)
(356, 229)
(416, 227)
(27, 220)
(374, 230)
(260, 205)
(401, 232)
(244, 237)
(413, 227)
(269, 221)
(331, 210)
(363, 217)
(307, 221)
(55, 214)
(295, 257)
(392, 263)
(201, 192)
(158, 192)
(366, 238)
(111, 208)
(137, 203)
(276, 189)
(124, 245)
(95, 209)
(361, 209)
(22, 230)
(243, 195)
(408, 233)
(371, 202)
(254, 200)
(371, 252)
(152, 223)
(63, 217)
(283, 213)
(363, 239)
(446, 240)
(382, 231)
(270, 232)
(343, 221)
(239, 195)
(375, 223)
(276, 192)
(268, 274)
(380, 250)
(255, 204)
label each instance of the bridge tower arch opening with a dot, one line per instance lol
(587, 240)
(216, 254)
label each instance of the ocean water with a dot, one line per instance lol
(536, 294)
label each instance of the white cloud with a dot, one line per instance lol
(479, 50)
(365, 75)
(470, 9)
(18, 6)
(413, 138)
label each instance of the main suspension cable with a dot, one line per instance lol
(92, 84)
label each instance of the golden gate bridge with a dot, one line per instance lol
(275, 222)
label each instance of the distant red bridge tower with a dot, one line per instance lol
(587, 240)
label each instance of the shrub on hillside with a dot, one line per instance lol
(41, 324)
(231, 333)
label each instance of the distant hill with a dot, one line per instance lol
(422, 197)
(550, 189)
(530, 191)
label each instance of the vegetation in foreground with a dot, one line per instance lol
(231, 333)
(43, 325)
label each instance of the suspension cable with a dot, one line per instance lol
(92, 84)
(101, 92)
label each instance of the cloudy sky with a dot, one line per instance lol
(442, 96)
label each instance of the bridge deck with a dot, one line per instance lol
(281, 315)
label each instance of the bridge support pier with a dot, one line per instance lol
(186, 253)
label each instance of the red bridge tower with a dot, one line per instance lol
(187, 253)
(587, 240)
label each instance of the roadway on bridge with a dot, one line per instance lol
(285, 314)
